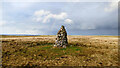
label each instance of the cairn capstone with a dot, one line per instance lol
(61, 38)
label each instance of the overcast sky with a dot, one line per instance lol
(46, 18)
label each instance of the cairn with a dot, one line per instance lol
(61, 39)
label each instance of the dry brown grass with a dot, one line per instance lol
(39, 51)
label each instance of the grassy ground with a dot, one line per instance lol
(39, 51)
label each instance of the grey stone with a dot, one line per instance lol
(61, 38)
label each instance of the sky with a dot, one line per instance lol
(46, 18)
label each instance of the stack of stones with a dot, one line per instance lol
(61, 39)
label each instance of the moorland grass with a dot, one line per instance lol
(81, 51)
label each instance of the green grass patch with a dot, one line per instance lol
(48, 52)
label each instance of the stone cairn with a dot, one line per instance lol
(61, 39)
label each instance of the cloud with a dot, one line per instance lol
(6, 22)
(59, 0)
(86, 16)
(29, 31)
(87, 27)
(41, 13)
(2, 23)
(1, 11)
(45, 16)
(111, 7)
(68, 21)
(19, 5)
